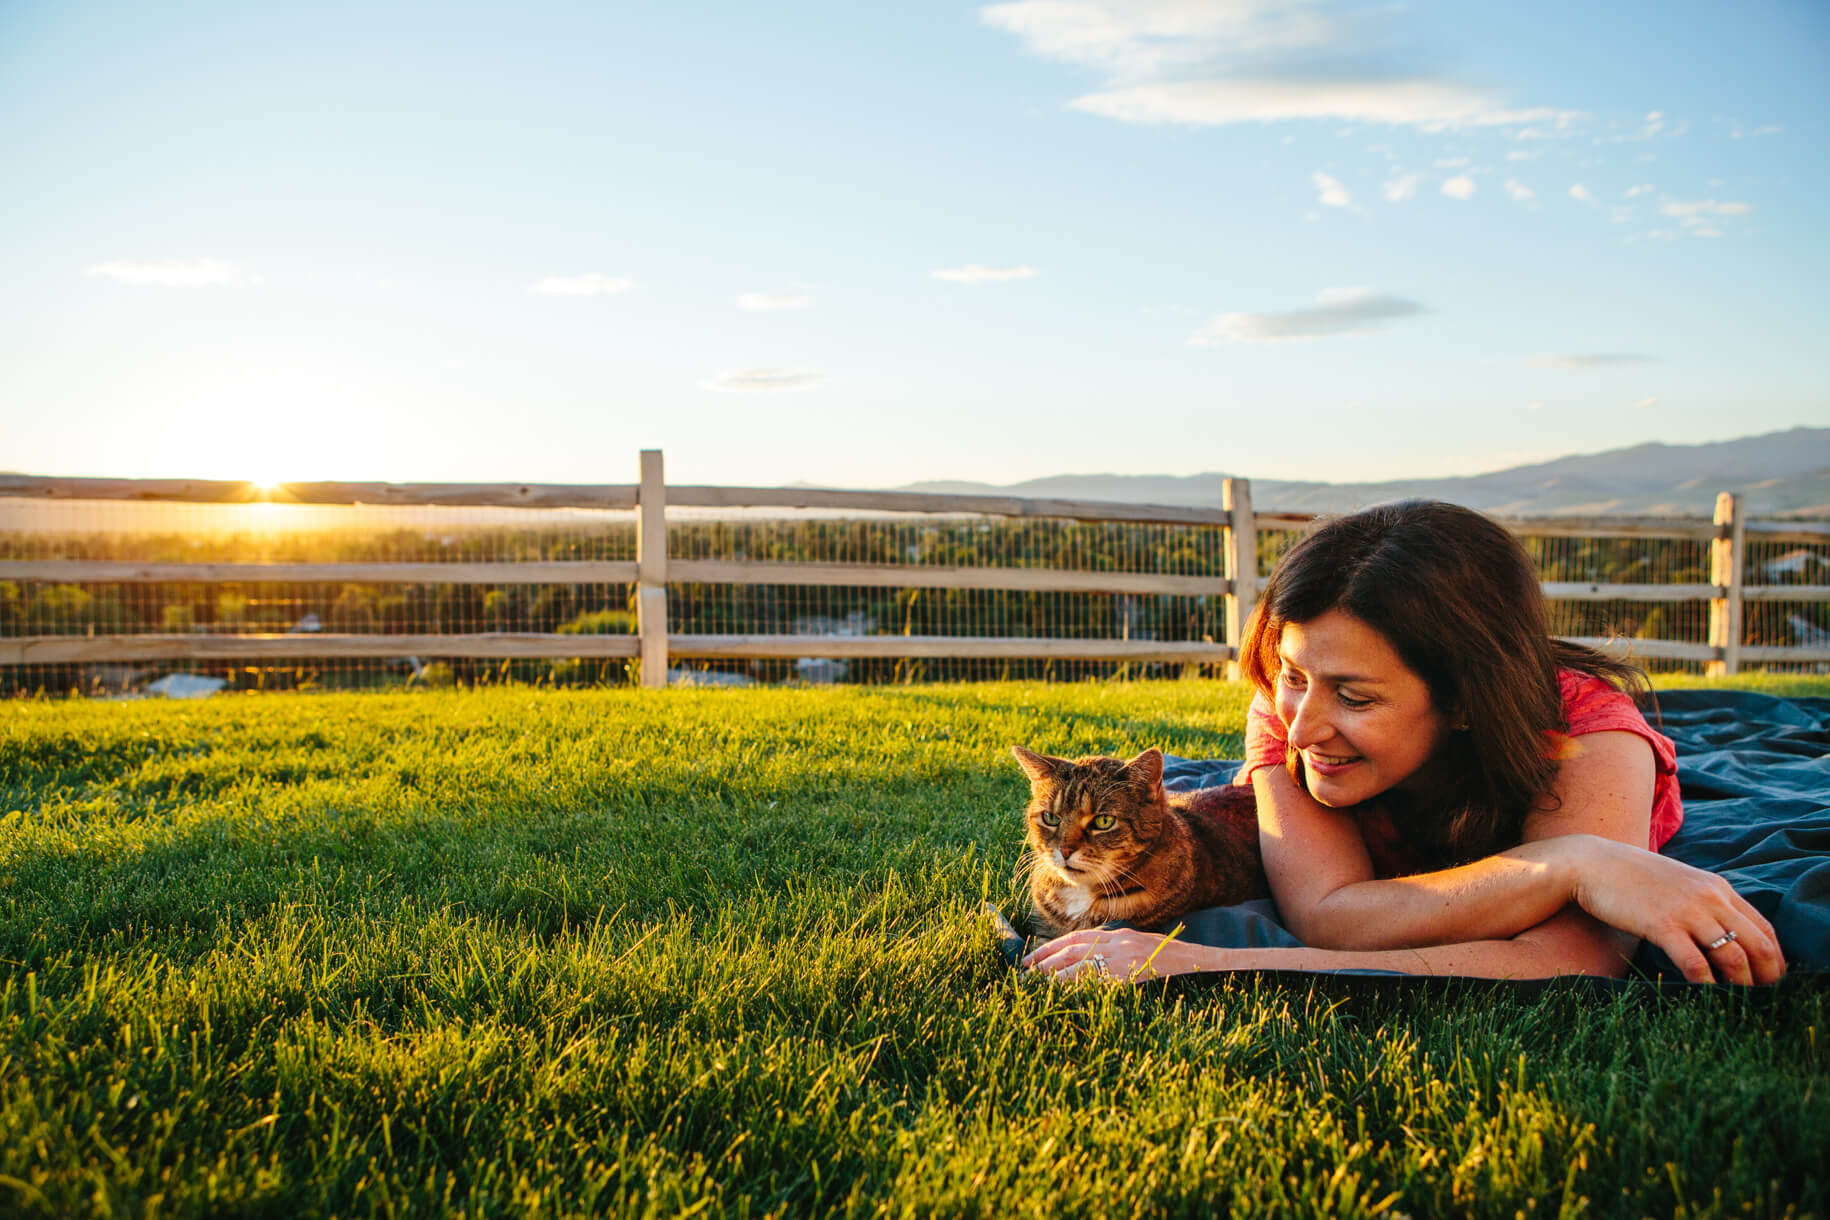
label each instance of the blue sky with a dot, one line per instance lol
(868, 244)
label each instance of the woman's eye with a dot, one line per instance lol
(1104, 821)
(1348, 700)
(1291, 678)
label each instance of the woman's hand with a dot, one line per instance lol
(1705, 928)
(1120, 955)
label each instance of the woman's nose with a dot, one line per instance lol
(1310, 724)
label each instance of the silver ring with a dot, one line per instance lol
(1099, 964)
(1721, 940)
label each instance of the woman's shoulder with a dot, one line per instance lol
(1587, 697)
(1595, 705)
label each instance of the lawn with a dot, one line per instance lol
(522, 953)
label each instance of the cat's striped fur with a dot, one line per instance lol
(1107, 842)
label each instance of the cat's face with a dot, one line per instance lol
(1091, 818)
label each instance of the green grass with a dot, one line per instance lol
(619, 952)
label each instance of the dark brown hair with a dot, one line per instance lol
(1459, 601)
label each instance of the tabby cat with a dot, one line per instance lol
(1107, 842)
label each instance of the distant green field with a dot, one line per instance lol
(516, 953)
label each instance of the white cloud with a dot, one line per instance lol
(1534, 406)
(1340, 311)
(1459, 187)
(1519, 192)
(765, 300)
(591, 284)
(1419, 101)
(1589, 360)
(1581, 194)
(1137, 37)
(176, 273)
(1450, 162)
(1332, 193)
(1206, 62)
(1525, 154)
(1400, 189)
(973, 273)
(1634, 192)
(1696, 216)
(1705, 207)
(765, 379)
(1643, 403)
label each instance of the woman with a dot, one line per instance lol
(1444, 789)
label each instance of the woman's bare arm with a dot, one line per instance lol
(1569, 943)
(1586, 847)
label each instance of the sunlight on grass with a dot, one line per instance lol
(611, 952)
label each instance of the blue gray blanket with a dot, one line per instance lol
(1755, 775)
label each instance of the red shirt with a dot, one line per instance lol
(1590, 705)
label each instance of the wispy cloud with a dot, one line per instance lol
(1704, 207)
(1331, 192)
(1582, 194)
(767, 300)
(1185, 61)
(765, 379)
(973, 273)
(1634, 192)
(1519, 192)
(1397, 190)
(176, 273)
(1339, 311)
(1699, 218)
(591, 284)
(1459, 187)
(1643, 403)
(1589, 360)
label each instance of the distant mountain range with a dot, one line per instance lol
(1778, 474)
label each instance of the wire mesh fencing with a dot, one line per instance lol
(431, 572)
(1784, 622)
(329, 538)
(911, 544)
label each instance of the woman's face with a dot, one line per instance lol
(1363, 720)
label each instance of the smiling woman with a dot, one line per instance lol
(1442, 788)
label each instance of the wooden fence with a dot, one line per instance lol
(653, 570)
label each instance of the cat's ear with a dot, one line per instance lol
(1037, 766)
(1148, 768)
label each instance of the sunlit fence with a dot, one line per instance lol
(120, 585)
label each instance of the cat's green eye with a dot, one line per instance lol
(1104, 821)
(1049, 819)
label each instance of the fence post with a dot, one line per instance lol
(1727, 555)
(651, 569)
(1241, 565)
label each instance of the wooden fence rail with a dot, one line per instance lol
(654, 570)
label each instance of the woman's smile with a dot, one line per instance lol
(1329, 764)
